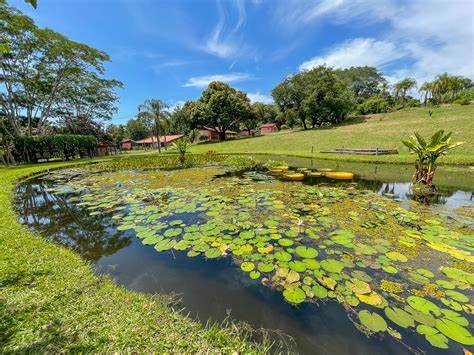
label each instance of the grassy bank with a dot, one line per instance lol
(376, 131)
(50, 300)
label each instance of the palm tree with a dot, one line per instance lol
(428, 153)
(427, 88)
(154, 109)
(403, 86)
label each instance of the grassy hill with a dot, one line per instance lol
(374, 131)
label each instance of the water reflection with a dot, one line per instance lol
(60, 220)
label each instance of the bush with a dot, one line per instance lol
(374, 104)
(462, 101)
(63, 146)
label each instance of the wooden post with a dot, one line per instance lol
(312, 149)
(376, 151)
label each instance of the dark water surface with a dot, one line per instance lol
(214, 289)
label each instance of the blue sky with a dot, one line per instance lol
(172, 49)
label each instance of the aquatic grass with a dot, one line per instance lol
(50, 300)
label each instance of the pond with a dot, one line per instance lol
(347, 267)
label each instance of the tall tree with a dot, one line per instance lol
(289, 95)
(317, 95)
(363, 81)
(402, 87)
(139, 128)
(154, 110)
(36, 68)
(117, 133)
(220, 107)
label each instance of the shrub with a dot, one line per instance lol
(462, 101)
(374, 104)
(64, 146)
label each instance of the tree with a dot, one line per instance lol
(446, 87)
(327, 98)
(154, 110)
(37, 68)
(427, 88)
(364, 82)
(117, 133)
(317, 95)
(403, 86)
(139, 128)
(220, 107)
(289, 96)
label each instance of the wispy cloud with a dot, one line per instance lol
(357, 52)
(224, 43)
(258, 97)
(170, 64)
(203, 81)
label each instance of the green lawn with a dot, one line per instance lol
(50, 300)
(376, 131)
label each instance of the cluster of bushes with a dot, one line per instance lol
(63, 146)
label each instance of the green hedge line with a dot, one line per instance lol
(63, 146)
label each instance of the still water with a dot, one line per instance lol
(214, 289)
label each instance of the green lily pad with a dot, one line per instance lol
(319, 291)
(212, 253)
(306, 252)
(332, 265)
(294, 295)
(265, 267)
(457, 296)
(284, 242)
(390, 269)
(399, 317)
(434, 337)
(247, 266)
(254, 274)
(372, 321)
(282, 255)
(423, 305)
(454, 331)
(297, 266)
(425, 273)
(396, 256)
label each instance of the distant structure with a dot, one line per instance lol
(149, 142)
(268, 128)
(212, 134)
(128, 144)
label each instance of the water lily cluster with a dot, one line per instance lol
(397, 270)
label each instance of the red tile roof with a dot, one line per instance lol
(163, 139)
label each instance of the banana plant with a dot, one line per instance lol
(428, 153)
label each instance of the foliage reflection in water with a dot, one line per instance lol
(396, 271)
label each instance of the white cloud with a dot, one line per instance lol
(203, 81)
(178, 103)
(224, 44)
(258, 97)
(431, 36)
(357, 52)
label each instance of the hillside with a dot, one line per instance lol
(374, 131)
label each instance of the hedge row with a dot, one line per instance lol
(64, 146)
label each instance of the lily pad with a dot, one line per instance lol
(306, 252)
(396, 256)
(332, 265)
(294, 295)
(372, 321)
(247, 266)
(399, 317)
(454, 331)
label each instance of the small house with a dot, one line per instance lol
(127, 144)
(268, 128)
(105, 149)
(151, 142)
(212, 134)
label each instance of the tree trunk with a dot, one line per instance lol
(222, 135)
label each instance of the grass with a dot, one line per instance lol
(51, 301)
(375, 131)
